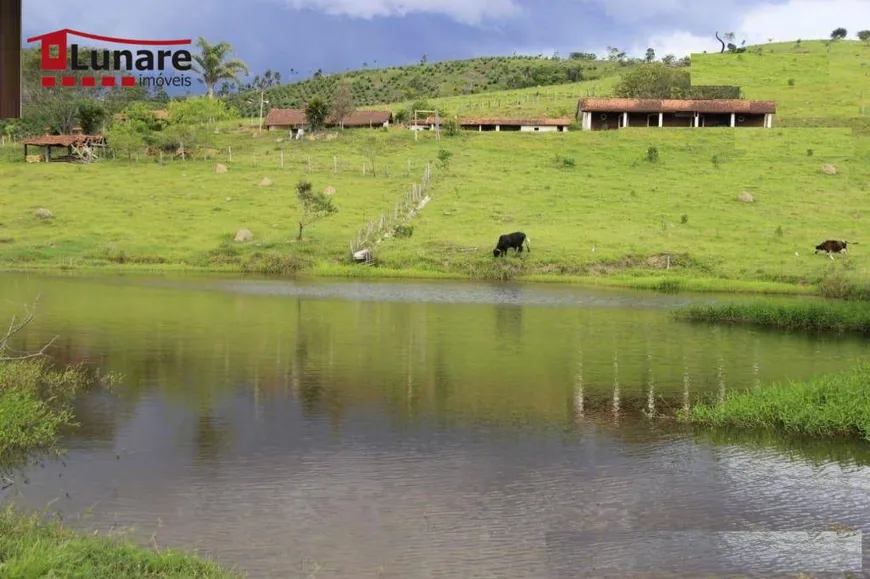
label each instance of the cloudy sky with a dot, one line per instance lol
(338, 34)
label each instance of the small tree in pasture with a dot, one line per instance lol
(839, 33)
(371, 149)
(864, 36)
(315, 206)
(444, 157)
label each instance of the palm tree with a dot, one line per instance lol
(213, 66)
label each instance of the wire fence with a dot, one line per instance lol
(386, 225)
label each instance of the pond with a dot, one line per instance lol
(433, 429)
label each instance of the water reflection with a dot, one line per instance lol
(479, 435)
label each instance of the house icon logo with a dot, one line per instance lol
(126, 67)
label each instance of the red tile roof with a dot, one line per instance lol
(61, 140)
(621, 105)
(285, 117)
(363, 118)
(473, 121)
(296, 118)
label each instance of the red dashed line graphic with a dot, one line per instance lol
(88, 81)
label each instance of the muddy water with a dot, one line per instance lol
(362, 429)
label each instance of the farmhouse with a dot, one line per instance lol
(294, 119)
(358, 119)
(599, 114)
(10, 59)
(541, 125)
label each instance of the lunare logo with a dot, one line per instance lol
(125, 67)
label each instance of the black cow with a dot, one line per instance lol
(833, 246)
(511, 240)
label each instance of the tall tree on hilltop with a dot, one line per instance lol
(214, 65)
(839, 33)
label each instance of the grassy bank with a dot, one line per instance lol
(812, 315)
(834, 404)
(32, 547)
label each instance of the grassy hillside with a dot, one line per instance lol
(440, 79)
(551, 101)
(815, 83)
(608, 210)
(641, 205)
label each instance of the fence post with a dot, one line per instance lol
(282, 159)
(334, 164)
(230, 153)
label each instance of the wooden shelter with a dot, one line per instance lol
(598, 114)
(10, 59)
(79, 147)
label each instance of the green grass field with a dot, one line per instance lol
(644, 206)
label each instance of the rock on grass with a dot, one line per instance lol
(243, 235)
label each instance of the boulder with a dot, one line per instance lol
(265, 182)
(220, 168)
(746, 197)
(243, 235)
(43, 213)
(829, 170)
(363, 255)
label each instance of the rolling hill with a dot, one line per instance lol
(440, 79)
(647, 206)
